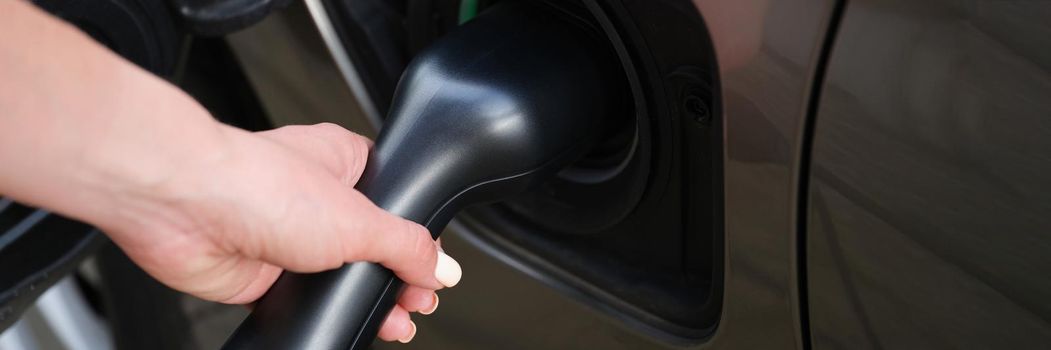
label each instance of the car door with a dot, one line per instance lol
(928, 194)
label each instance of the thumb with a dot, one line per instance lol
(401, 245)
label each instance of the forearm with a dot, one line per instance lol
(80, 127)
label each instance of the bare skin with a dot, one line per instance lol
(207, 209)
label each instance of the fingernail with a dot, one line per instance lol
(412, 334)
(433, 307)
(447, 271)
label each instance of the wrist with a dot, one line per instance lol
(85, 133)
(138, 172)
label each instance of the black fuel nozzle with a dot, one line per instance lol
(501, 103)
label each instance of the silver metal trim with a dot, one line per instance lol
(72, 321)
(18, 337)
(60, 319)
(343, 62)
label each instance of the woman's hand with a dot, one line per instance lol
(205, 208)
(225, 227)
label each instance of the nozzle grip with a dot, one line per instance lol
(336, 309)
(498, 105)
(342, 308)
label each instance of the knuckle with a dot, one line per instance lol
(330, 127)
(292, 129)
(331, 133)
(358, 151)
(424, 252)
(350, 150)
(358, 145)
(340, 134)
(279, 132)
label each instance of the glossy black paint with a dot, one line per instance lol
(490, 110)
(930, 193)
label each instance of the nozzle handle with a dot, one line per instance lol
(501, 103)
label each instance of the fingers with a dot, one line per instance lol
(363, 231)
(416, 299)
(402, 246)
(398, 326)
(339, 150)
